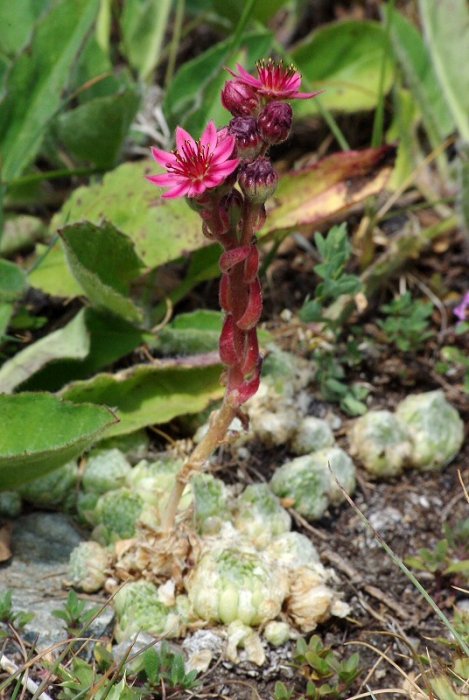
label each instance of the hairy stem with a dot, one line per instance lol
(218, 427)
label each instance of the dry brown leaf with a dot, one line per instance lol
(5, 543)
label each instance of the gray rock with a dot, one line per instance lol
(41, 544)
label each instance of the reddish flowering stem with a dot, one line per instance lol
(206, 172)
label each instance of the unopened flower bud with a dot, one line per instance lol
(275, 122)
(258, 180)
(248, 138)
(240, 99)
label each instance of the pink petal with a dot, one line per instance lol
(183, 136)
(245, 77)
(225, 168)
(213, 180)
(224, 148)
(179, 191)
(164, 158)
(164, 180)
(307, 95)
(209, 137)
(197, 188)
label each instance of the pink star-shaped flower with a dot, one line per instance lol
(275, 82)
(195, 166)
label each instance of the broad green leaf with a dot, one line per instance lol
(111, 338)
(195, 332)
(403, 128)
(95, 71)
(12, 281)
(4, 65)
(307, 197)
(446, 30)
(161, 229)
(72, 342)
(35, 83)
(20, 231)
(52, 274)
(262, 10)
(6, 311)
(203, 266)
(463, 177)
(151, 394)
(96, 130)
(104, 262)
(103, 28)
(143, 24)
(40, 432)
(344, 59)
(415, 61)
(193, 98)
(17, 22)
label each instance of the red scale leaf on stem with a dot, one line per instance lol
(228, 354)
(230, 258)
(224, 293)
(251, 266)
(252, 313)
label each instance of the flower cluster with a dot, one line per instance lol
(206, 172)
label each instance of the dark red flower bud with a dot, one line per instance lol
(258, 180)
(248, 138)
(275, 122)
(240, 99)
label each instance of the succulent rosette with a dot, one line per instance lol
(259, 515)
(105, 470)
(139, 608)
(233, 582)
(381, 442)
(87, 566)
(116, 515)
(312, 482)
(54, 489)
(211, 506)
(435, 429)
(311, 434)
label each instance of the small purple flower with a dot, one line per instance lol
(461, 309)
